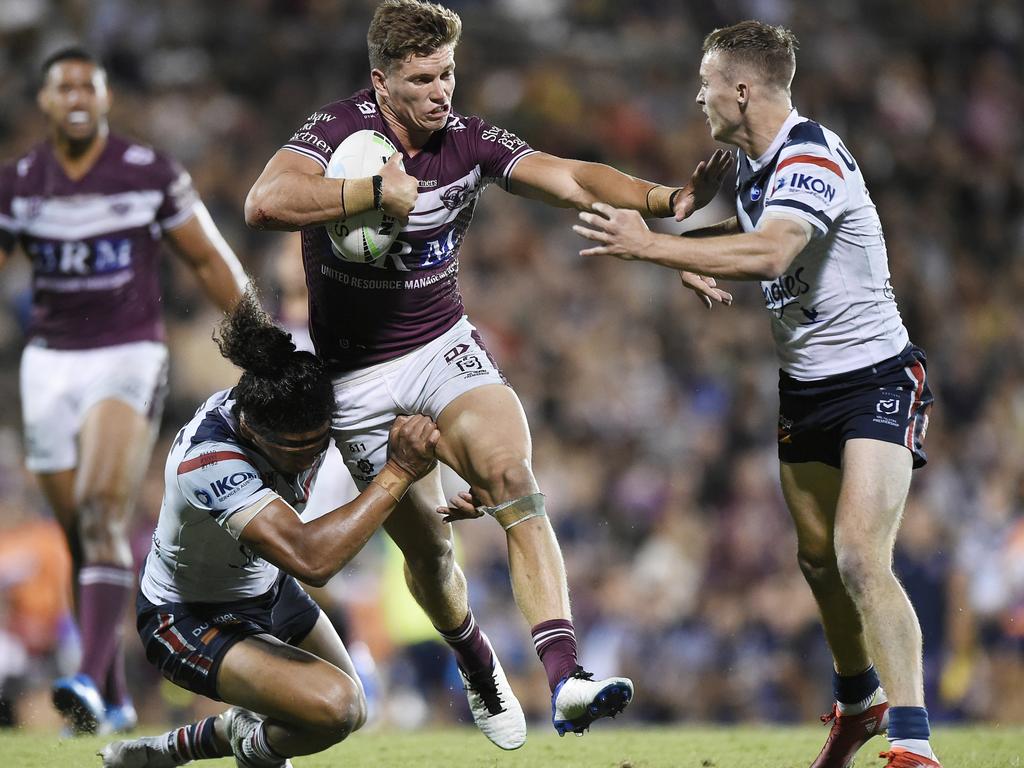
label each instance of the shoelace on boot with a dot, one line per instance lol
(486, 686)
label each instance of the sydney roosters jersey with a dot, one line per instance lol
(215, 483)
(95, 242)
(362, 314)
(834, 309)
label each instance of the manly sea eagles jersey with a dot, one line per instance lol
(94, 242)
(363, 314)
(214, 484)
(834, 309)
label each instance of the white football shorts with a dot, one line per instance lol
(59, 386)
(424, 381)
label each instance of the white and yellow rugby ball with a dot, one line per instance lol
(364, 237)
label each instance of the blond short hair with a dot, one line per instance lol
(770, 50)
(404, 28)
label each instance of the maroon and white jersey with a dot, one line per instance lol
(215, 483)
(95, 242)
(363, 314)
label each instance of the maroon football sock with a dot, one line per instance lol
(472, 649)
(555, 641)
(115, 688)
(104, 594)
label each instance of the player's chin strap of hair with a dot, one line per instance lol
(661, 200)
(511, 513)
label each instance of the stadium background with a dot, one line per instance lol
(653, 420)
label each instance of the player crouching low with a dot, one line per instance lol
(219, 609)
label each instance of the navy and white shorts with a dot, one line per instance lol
(187, 641)
(888, 401)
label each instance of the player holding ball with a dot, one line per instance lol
(396, 340)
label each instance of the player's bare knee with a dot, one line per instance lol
(103, 532)
(861, 572)
(431, 562)
(339, 710)
(818, 566)
(506, 477)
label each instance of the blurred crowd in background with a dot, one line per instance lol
(653, 419)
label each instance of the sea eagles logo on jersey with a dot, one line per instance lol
(455, 196)
(455, 123)
(366, 108)
(138, 155)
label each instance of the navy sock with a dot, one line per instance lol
(908, 723)
(855, 688)
(196, 741)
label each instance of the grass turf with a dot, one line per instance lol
(679, 747)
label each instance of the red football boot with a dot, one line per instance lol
(849, 733)
(903, 758)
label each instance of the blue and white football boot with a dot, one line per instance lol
(79, 700)
(579, 700)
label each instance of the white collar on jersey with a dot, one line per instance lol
(777, 142)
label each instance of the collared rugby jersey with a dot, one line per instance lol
(834, 309)
(94, 242)
(214, 484)
(363, 314)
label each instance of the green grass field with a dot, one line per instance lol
(682, 747)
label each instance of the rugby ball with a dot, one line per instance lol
(364, 237)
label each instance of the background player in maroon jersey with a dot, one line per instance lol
(90, 208)
(395, 335)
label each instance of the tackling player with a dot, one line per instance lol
(395, 336)
(89, 208)
(854, 399)
(219, 610)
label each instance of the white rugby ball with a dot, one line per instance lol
(366, 236)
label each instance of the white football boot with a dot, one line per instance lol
(137, 753)
(239, 723)
(495, 708)
(578, 700)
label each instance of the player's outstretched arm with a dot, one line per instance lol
(292, 193)
(578, 184)
(200, 245)
(760, 255)
(315, 551)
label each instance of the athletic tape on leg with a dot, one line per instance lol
(512, 513)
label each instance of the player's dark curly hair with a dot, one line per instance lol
(281, 389)
(770, 49)
(402, 28)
